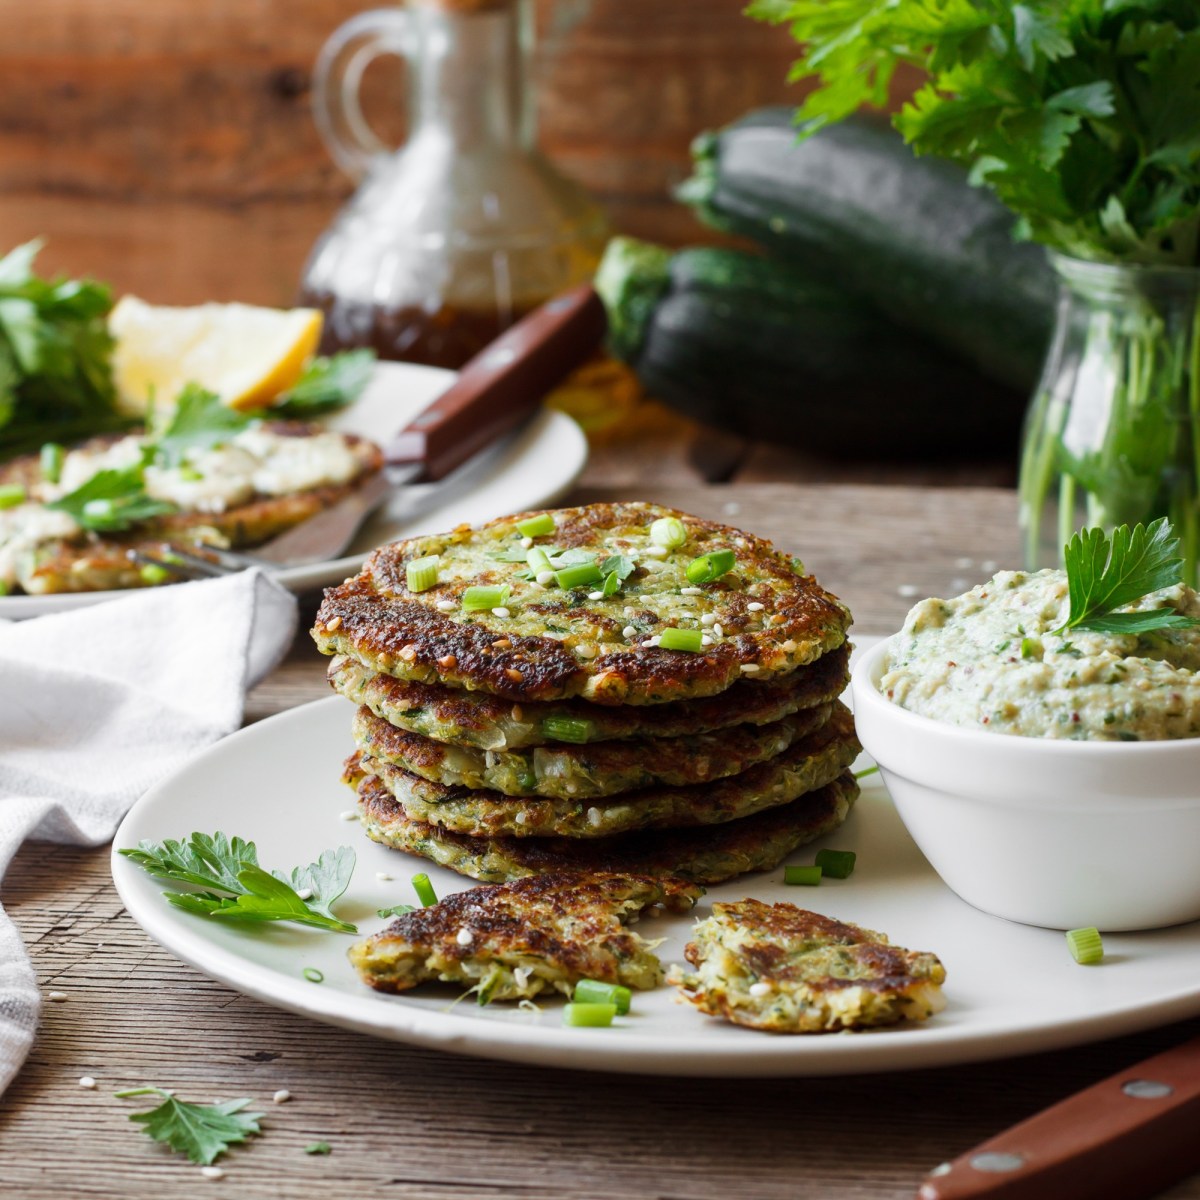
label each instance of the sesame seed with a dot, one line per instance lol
(593, 816)
(447, 662)
(282, 1096)
(521, 817)
(537, 587)
(526, 543)
(213, 1172)
(305, 893)
(989, 566)
(708, 619)
(502, 644)
(650, 643)
(750, 668)
(350, 814)
(656, 551)
(964, 564)
(629, 610)
(515, 675)
(545, 578)
(628, 632)
(788, 647)
(587, 650)
(384, 876)
(408, 653)
(907, 589)
(718, 631)
(86, 1081)
(595, 595)
(691, 591)
(502, 612)
(518, 713)
(706, 640)
(333, 625)
(446, 606)
(732, 508)
(465, 937)
(56, 996)
(755, 606)
(762, 988)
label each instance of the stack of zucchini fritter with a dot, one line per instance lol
(617, 687)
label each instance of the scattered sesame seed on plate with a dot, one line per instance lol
(56, 996)
(281, 1097)
(907, 589)
(213, 1172)
(350, 814)
(86, 1081)
(384, 876)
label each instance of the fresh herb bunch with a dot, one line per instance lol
(1105, 573)
(238, 889)
(56, 379)
(1081, 115)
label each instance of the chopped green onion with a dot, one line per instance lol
(538, 560)
(190, 473)
(424, 889)
(397, 910)
(712, 566)
(313, 975)
(577, 576)
(1029, 647)
(3, 587)
(1085, 945)
(52, 462)
(668, 532)
(680, 639)
(836, 864)
(153, 573)
(11, 494)
(611, 583)
(318, 1148)
(100, 510)
(422, 573)
(593, 1015)
(536, 526)
(804, 876)
(567, 729)
(481, 599)
(865, 772)
(592, 991)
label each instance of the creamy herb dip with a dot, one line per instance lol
(988, 660)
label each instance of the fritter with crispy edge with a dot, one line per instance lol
(575, 773)
(514, 940)
(783, 969)
(91, 562)
(810, 763)
(465, 718)
(705, 854)
(547, 643)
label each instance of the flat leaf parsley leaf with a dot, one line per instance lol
(239, 889)
(201, 1131)
(112, 500)
(200, 421)
(327, 384)
(1105, 573)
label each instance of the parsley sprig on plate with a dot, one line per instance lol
(1104, 573)
(201, 1131)
(237, 888)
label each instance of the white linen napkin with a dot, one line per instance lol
(98, 704)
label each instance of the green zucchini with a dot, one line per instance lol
(852, 205)
(761, 348)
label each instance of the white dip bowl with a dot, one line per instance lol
(1062, 834)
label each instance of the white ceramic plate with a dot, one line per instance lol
(530, 469)
(1011, 989)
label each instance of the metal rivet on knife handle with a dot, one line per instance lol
(1129, 1136)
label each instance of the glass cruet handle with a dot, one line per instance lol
(337, 79)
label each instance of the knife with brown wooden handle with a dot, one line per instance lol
(1130, 1136)
(498, 389)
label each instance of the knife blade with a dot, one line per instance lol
(1131, 1135)
(494, 393)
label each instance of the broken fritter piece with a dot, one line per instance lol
(513, 940)
(782, 969)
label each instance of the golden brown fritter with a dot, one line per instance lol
(546, 643)
(704, 854)
(514, 940)
(784, 969)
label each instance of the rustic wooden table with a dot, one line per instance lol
(415, 1123)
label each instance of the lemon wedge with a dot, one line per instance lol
(246, 354)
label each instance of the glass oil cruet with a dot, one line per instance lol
(465, 228)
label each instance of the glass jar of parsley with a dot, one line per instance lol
(1113, 433)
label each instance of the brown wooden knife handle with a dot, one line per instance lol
(1129, 1136)
(502, 384)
